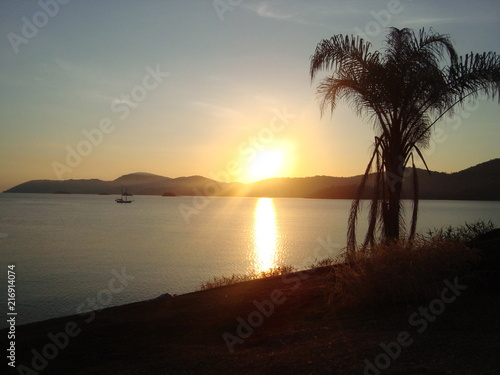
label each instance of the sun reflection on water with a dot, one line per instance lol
(265, 235)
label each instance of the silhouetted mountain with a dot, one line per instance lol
(136, 183)
(296, 186)
(140, 177)
(70, 186)
(481, 182)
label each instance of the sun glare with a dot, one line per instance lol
(266, 236)
(266, 164)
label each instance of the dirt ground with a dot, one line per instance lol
(280, 325)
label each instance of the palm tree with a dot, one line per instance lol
(404, 89)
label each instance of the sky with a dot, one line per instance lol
(98, 89)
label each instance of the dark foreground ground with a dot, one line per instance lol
(296, 334)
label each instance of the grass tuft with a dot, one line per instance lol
(401, 272)
(218, 281)
(324, 262)
(464, 233)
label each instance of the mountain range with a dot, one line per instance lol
(480, 182)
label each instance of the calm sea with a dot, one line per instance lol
(68, 249)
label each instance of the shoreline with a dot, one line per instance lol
(279, 324)
(249, 196)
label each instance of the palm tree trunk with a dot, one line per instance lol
(391, 219)
(391, 215)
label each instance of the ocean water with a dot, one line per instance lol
(76, 252)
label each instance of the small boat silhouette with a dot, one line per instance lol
(124, 197)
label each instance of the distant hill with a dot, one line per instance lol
(135, 183)
(481, 182)
(304, 187)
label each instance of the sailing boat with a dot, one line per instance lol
(124, 197)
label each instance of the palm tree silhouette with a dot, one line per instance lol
(405, 89)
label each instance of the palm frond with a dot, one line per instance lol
(475, 74)
(341, 52)
(374, 214)
(353, 213)
(414, 217)
(404, 89)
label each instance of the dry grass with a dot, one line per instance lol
(464, 233)
(324, 262)
(218, 281)
(390, 274)
(400, 272)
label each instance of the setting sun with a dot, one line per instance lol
(266, 164)
(233, 187)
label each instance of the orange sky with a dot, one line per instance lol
(176, 88)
